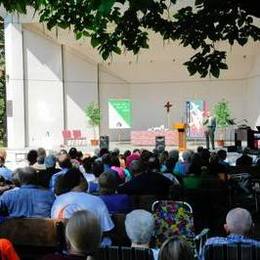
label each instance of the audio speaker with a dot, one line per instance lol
(160, 143)
(104, 142)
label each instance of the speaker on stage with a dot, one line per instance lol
(160, 143)
(104, 142)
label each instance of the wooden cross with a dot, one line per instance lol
(168, 105)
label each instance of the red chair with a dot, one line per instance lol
(77, 136)
(67, 136)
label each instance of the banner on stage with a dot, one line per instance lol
(120, 113)
(195, 110)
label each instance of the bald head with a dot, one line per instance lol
(239, 221)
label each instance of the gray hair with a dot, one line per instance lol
(186, 156)
(239, 221)
(139, 226)
(26, 175)
(83, 232)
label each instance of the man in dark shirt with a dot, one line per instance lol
(145, 182)
(245, 160)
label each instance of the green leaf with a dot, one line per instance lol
(105, 54)
(94, 42)
(106, 6)
(117, 50)
(215, 71)
(78, 35)
(223, 66)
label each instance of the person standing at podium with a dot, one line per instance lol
(209, 123)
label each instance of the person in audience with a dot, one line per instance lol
(115, 166)
(139, 225)
(73, 153)
(65, 165)
(7, 251)
(29, 200)
(132, 157)
(83, 235)
(245, 160)
(32, 157)
(127, 153)
(163, 157)
(103, 151)
(86, 168)
(4, 171)
(116, 152)
(116, 203)
(145, 182)
(176, 249)
(50, 164)
(182, 167)
(97, 170)
(106, 160)
(73, 198)
(41, 152)
(239, 225)
(173, 158)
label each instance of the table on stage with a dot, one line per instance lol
(148, 137)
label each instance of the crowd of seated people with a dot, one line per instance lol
(90, 188)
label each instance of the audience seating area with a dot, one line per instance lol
(192, 207)
(232, 252)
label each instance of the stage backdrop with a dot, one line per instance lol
(194, 117)
(120, 113)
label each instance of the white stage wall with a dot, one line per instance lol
(149, 86)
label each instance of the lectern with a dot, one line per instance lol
(181, 127)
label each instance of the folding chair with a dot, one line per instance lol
(175, 218)
(67, 136)
(77, 136)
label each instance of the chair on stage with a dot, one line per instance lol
(67, 137)
(77, 136)
(175, 218)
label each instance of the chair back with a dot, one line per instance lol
(118, 235)
(33, 237)
(77, 134)
(66, 134)
(173, 218)
(232, 252)
(124, 253)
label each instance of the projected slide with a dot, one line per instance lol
(120, 113)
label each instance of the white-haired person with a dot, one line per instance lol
(139, 226)
(239, 225)
(83, 235)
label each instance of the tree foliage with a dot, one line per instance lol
(118, 25)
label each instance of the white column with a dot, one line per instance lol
(15, 90)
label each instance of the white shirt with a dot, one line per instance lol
(66, 204)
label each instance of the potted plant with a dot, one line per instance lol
(222, 114)
(93, 114)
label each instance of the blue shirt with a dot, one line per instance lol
(117, 203)
(6, 173)
(28, 201)
(229, 240)
(54, 178)
(232, 239)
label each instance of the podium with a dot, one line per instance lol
(181, 127)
